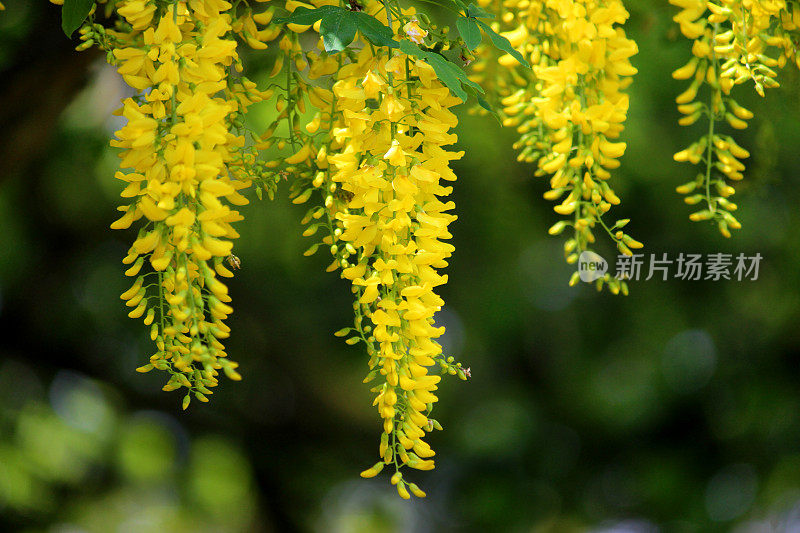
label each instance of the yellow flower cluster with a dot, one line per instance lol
(309, 140)
(374, 151)
(396, 121)
(184, 161)
(747, 31)
(571, 108)
(731, 45)
(366, 135)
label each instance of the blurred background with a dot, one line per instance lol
(674, 409)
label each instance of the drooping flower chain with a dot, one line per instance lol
(373, 152)
(570, 108)
(732, 43)
(184, 159)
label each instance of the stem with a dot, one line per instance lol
(289, 103)
(708, 161)
(161, 300)
(711, 121)
(388, 17)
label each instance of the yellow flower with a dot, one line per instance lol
(395, 155)
(414, 32)
(373, 84)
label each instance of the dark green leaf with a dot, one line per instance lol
(470, 32)
(460, 4)
(448, 73)
(487, 106)
(339, 25)
(338, 30)
(407, 47)
(306, 17)
(478, 12)
(73, 13)
(484, 104)
(459, 73)
(374, 31)
(502, 43)
(455, 70)
(435, 60)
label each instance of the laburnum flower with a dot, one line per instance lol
(718, 154)
(184, 168)
(570, 108)
(371, 160)
(733, 42)
(414, 32)
(392, 164)
(748, 30)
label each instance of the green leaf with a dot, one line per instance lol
(338, 29)
(73, 13)
(470, 32)
(448, 73)
(306, 17)
(373, 30)
(339, 25)
(460, 4)
(407, 47)
(461, 75)
(436, 61)
(455, 70)
(502, 43)
(486, 105)
(478, 12)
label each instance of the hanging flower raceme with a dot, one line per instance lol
(184, 161)
(370, 161)
(328, 196)
(391, 124)
(570, 109)
(746, 33)
(392, 165)
(732, 40)
(308, 141)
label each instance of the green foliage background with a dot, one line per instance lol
(674, 409)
